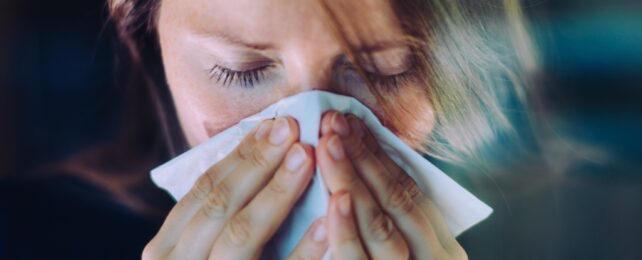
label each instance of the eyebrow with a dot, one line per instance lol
(382, 46)
(234, 40)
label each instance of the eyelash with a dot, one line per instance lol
(392, 81)
(248, 78)
(243, 78)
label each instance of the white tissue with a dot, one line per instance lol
(460, 209)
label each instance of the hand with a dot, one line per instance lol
(376, 210)
(236, 205)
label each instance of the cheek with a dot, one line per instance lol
(409, 114)
(205, 115)
(204, 109)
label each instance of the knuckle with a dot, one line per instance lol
(350, 179)
(217, 202)
(237, 232)
(358, 151)
(414, 192)
(412, 188)
(277, 187)
(399, 199)
(405, 180)
(349, 240)
(368, 138)
(245, 150)
(259, 159)
(374, 148)
(381, 226)
(202, 187)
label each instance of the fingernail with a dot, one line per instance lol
(263, 129)
(320, 233)
(280, 131)
(355, 126)
(295, 158)
(340, 125)
(344, 205)
(336, 148)
(326, 125)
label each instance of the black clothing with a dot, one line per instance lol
(65, 217)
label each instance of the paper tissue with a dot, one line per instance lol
(460, 209)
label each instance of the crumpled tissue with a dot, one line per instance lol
(460, 209)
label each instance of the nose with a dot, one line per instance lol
(312, 67)
(321, 67)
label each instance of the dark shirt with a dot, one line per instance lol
(584, 216)
(65, 217)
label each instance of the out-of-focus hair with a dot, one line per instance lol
(476, 57)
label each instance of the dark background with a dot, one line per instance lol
(57, 97)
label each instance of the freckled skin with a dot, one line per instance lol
(302, 48)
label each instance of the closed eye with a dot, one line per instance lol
(244, 78)
(392, 81)
(402, 76)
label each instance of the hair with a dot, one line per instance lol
(476, 57)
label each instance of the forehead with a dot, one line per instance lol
(361, 21)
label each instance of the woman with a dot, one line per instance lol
(226, 60)
(434, 71)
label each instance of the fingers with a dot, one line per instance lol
(379, 234)
(343, 235)
(314, 243)
(423, 202)
(448, 241)
(256, 159)
(186, 207)
(373, 146)
(415, 215)
(245, 234)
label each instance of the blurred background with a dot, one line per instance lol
(57, 98)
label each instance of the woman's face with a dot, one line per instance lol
(225, 60)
